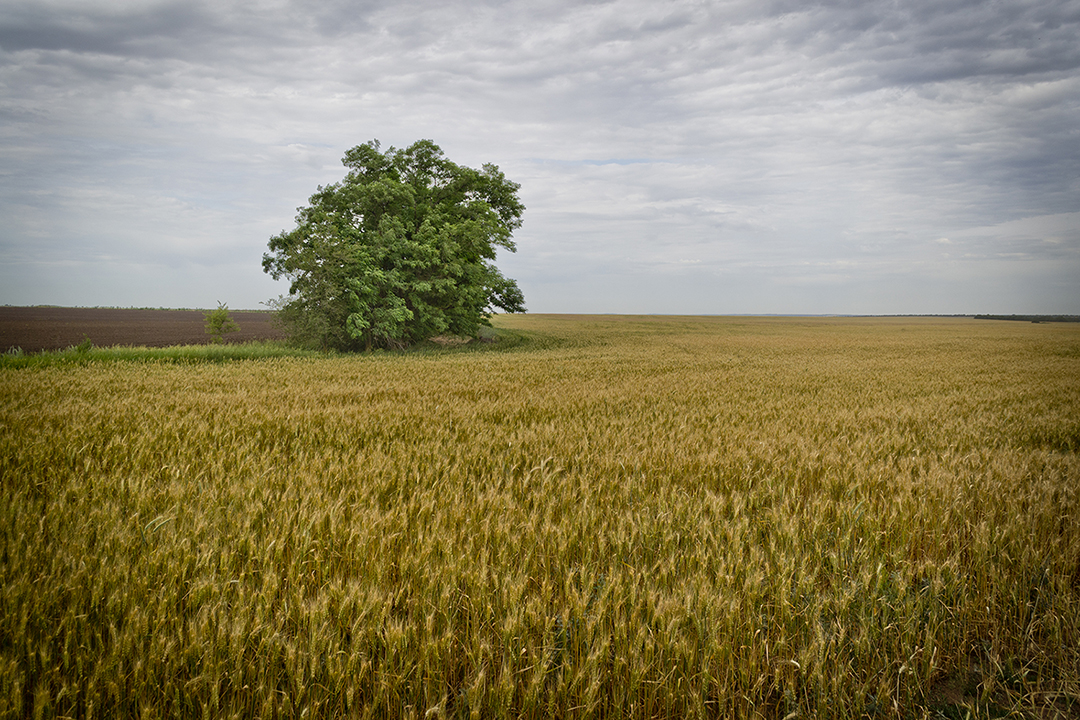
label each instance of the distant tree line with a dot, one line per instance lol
(1031, 318)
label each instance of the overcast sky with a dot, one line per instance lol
(757, 156)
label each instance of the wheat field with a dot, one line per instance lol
(614, 517)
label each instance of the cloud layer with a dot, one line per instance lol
(773, 157)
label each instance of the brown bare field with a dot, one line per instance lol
(53, 328)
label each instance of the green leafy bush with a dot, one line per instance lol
(219, 322)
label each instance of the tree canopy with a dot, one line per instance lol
(399, 251)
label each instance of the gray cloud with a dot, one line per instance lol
(808, 154)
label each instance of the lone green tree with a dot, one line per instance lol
(399, 251)
(219, 322)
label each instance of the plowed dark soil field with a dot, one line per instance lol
(54, 328)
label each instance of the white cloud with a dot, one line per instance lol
(821, 153)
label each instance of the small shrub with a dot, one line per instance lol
(219, 322)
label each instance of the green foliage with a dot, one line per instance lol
(176, 354)
(399, 251)
(219, 322)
